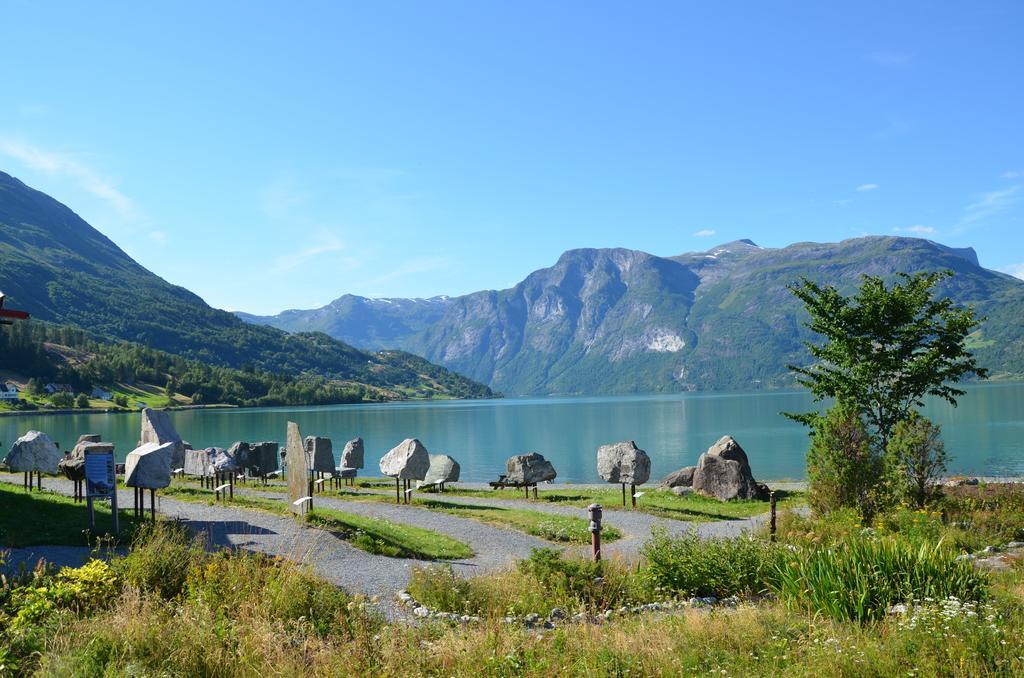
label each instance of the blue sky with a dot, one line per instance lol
(278, 155)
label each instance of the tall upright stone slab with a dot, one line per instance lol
(157, 428)
(351, 458)
(298, 472)
(33, 451)
(320, 454)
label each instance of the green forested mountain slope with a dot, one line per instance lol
(613, 321)
(55, 265)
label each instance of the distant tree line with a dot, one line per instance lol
(85, 361)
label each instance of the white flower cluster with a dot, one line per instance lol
(947, 616)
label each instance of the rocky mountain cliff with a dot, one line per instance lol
(619, 321)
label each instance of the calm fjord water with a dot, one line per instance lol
(984, 435)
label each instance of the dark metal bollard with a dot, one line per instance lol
(771, 526)
(594, 511)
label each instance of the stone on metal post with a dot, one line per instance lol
(594, 511)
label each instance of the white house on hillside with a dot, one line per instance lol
(101, 394)
(8, 392)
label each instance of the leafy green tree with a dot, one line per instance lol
(62, 399)
(885, 348)
(33, 386)
(82, 401)
(918, 457)
(843, 469)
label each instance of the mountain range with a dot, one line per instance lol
(64, 271)
(619, 320)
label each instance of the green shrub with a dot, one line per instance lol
(861, 577)
(160, 559)
(689, 565)
(918, 456)
(843, 471)
(279, 589)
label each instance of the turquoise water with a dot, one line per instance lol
(984, 435)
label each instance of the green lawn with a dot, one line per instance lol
(387, 538)
(566, 529)
(373, 535)
(47, 518)
(655, 501)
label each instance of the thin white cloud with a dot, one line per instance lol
(159, 237)
(409, 268)
(866, 187)
(843, 202)
(1016, 270)
(1012, 174)
(56, 163)
(288, 262)
(705, 233)
(280, 198)
(987, 206)
(917, 229)
(890, 59)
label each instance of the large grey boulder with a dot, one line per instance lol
(319, 454)
(263, 458)
(149, 466)
(240, 452)
(351, 457)
(723, 472)
(197, 462)
(681, 478)
(157, 428)
(529, 469)
(443, 469)
(33, 451)
(623, 463)
(222, 461)
(73, 463)
(408, 460)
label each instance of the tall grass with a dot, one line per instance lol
(689, 565)
(861, 577)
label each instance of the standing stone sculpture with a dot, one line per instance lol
(528, 469)
(73, 463)
(222, 461)
(197, 462)
(724, 472)
(443, 469)
(624, 463)
(320, 454)
(33, 452)
(351, 458)
(149, 466)
(157, 428)
(405, 462)
(263, 458)
(298, 473)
